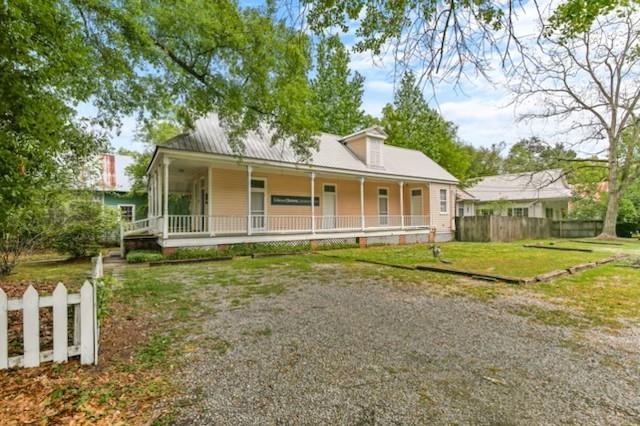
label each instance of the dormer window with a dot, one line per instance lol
(375, 152)
(367, 145)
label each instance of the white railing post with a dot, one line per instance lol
(362, 226)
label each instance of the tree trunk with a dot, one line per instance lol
(611, 217)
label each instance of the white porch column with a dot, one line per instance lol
(165, 209)
(313, 204)
(362, 203)
(402, 204)
(150, 196)
(194, 206)
(154, 188)
(158, 195)
(249, 171)
(210, 201)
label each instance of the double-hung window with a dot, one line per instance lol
(127, 212)
(443, 201)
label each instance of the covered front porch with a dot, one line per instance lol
(227, 201)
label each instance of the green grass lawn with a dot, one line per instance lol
(500, 258)
(70, 272)
(605, 295)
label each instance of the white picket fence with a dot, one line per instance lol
(85, 330)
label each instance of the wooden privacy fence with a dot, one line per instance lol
(506, 228)
(576, 228)
(501, 228)
(81, 339)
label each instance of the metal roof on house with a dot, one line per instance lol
(546, 184)
(209, 136)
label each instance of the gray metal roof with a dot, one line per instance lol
(545, 184)
(209, 136)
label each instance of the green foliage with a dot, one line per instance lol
(275, 247)
(193, 57)
(411, 123)
(337, 96)
(22, 230)
(151, 133)
(198, 253)
(336, 245)
(105, 287)
(573, 17)
(143, 256)
(485, 161)
(80, 225)
(534, 154)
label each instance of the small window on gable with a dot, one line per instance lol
(375, 153)
(443, 201)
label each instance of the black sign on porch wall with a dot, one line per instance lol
(293, 200)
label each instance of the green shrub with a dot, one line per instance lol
(143, 256)
(198, 253)
(104, 293)
(279, 247)
(81, 225)
(334, 245)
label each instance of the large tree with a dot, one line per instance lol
(151, 134)
(337, 95)
(590, 82)
(533, 154)
(131, 56)
(411, 123)
(485, 161)
(448, 39)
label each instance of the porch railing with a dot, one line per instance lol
(270, 224)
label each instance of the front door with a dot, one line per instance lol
(329, 207)
(416, 208)
(257, 204)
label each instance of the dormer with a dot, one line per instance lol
(367, 144)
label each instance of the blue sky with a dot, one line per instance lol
(481, 110)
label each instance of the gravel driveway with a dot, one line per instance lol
(338, 350)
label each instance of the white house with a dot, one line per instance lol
(529, 194)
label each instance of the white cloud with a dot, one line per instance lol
(380, 85)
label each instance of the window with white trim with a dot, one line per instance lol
(443, 201)
(127, 212)
(518, 212)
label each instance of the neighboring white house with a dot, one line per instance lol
(530, 194)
